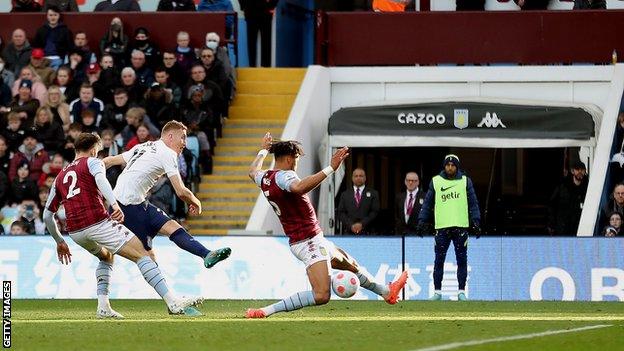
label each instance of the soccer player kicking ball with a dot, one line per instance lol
(287, 194)
(144, 164)
(81, 188)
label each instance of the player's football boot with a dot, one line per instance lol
(108, 313)
(189, 312)
(462, 297)
(179, 306)
(395, 288)
(255, 313)
(216, 256)
(435, 297)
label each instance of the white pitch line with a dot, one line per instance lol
(337, 319)
(455, 345)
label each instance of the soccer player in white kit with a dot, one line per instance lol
(144, 164)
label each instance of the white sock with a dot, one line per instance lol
(103, 302)
(439, 292)
(462, 292)
(169, 298)
(291, 303)
(368, 283)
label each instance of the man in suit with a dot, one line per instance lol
(358, 206)
(407, 205)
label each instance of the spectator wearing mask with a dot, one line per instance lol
(150, 49)
(41, 66)
(117, 6)
(6, 76)
(176, 5)
(17, 53)
(37, 88)
(115, 42)
(33, 152)
(212, 42)
(62, 5)
(54, 37)
(566, 202)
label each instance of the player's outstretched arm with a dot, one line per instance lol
(186, 195)
(62, 249)
(111, 161)
(256, 165)
(310, 182)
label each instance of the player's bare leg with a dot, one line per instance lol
(102, 276)
(186, 242)
(135, 252)
(343, 261)
(318, 275)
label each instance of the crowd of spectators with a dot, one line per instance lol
(54, 86)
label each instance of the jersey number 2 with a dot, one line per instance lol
(73, 191)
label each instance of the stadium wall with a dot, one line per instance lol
(263, 268)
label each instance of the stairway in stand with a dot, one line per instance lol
(263, 101)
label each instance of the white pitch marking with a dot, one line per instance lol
(337, 319)
(455, 345)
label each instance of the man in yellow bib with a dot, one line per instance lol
(452, 203)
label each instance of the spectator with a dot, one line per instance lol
(81, 45)
(358, 206)
(51, 169)
(162, 77)
(23, 103)
(223, 6)
(212, 42)
(6, 76)
(614, 204)
(205, 150)
(62, 5)
(144, 74)
(5, 100)
(30, 215)
(22, 187)
(26, 6)
(532, 4)
(58, 107)
(469, 5)
(115, 114)
(49, 131)
(41, 66)
(107, 79)
(566, 202)
(199, 112)
(129, 82)
(175, 72)
(5, 158)
(159, 105)
(66, 83)
(102, 89)
(19, 227)
(72, 134)
(212, 92)
(89, 122)
(590, 5)
(38, 89)
(176, 5)
(407, 206)
(259, 17)
(185, 55)
(44, 192)
(78, 65)
(5, 190)
(117, 6)
(135, 117)
(17, 53)
(32, 151)
(115, 42)
(149, 48)
(110, 148)
(86, 101)
(614, 228)
(54, 37)
(142, 135)
(14, 132)
(216, 73)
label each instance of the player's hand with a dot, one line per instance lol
(267, 140)
(338, 157)
(117, 214)
(62, 250)
(195, 209)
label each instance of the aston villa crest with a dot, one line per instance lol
(460, 118)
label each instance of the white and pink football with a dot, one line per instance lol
(345, 284)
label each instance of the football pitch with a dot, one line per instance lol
(339, 325)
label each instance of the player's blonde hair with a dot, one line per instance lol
(171, 126)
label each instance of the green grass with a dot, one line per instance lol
(340, 325)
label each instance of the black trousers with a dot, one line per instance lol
(443, 238)
(262, 24)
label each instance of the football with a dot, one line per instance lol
(345, 284)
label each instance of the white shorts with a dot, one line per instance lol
(107, 233)
(314, 250)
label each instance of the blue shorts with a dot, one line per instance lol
(144, 220)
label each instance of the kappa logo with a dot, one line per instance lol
(491, 121)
